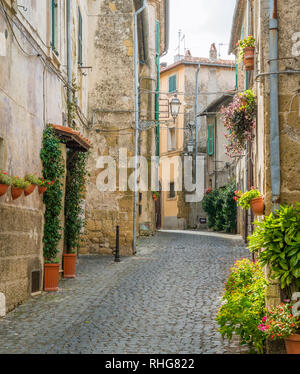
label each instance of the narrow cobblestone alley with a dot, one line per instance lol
(163, 300)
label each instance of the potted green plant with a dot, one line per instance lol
(155, 195)
(280, 323)
(276, 240)
(243, 305)
(246, 52)
(74, 214)
(43, 185)
(18, 186)
(5, 182)
(251, 198)
(53, 170)
(34, 181)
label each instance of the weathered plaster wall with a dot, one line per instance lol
(30, 96)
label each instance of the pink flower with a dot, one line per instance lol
(264, 319)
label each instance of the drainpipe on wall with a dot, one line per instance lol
(274, 117)
(69, 55)
(215, 152)
(196, 119)
(136, 130)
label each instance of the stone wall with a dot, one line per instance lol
(20, 252)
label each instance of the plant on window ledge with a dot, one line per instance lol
(239, 119)
(243, 44)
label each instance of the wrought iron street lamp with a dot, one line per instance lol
(175, 107)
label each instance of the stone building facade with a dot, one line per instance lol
(42, 60)
(215, 77)
(112, 112)
(260, 19)
(33, 94)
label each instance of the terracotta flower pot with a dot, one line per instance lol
(16, 192)
(249, 58)
(292, 344)
(28, 191)
(3, 189)
(42, 189)
(69, 265)
(258, 206)
(51, 275)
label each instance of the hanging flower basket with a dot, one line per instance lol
(3, 189)
(239, 118)
(16, 192)
(258, 206)
(292, 344)
(42, 189)
(249, 58)
(28, 191)
(69, 265)
(51, 275)
(5, 182)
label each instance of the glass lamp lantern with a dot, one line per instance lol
(175, 107)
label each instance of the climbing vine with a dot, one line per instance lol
(75, 193)
(53, 169)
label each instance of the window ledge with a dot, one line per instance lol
(56, 61)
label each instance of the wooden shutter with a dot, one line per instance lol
(53, 26)
(79, 37)
(172, 84)
(210, 140)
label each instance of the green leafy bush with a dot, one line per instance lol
(75, 190)
(243, 305)
(221, 208)
(53, 170)
(277, 239)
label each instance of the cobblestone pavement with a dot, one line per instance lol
(163, 300)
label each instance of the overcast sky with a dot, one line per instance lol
(203, 22)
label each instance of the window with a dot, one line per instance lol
(80, 60)
(171, 138)
(172, 193)
(54, 26)
(210, 140)
(172, 83)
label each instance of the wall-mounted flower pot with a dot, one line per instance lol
(42, 189)
(258, 206)
(16, 192)
(69, 265)
(249, 58)
(292, 344)
(51, 275)
(28, 191)
(3, 189)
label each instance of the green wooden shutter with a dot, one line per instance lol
(210, 140)
(80, 60)
(53, 26)
(172, 83)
